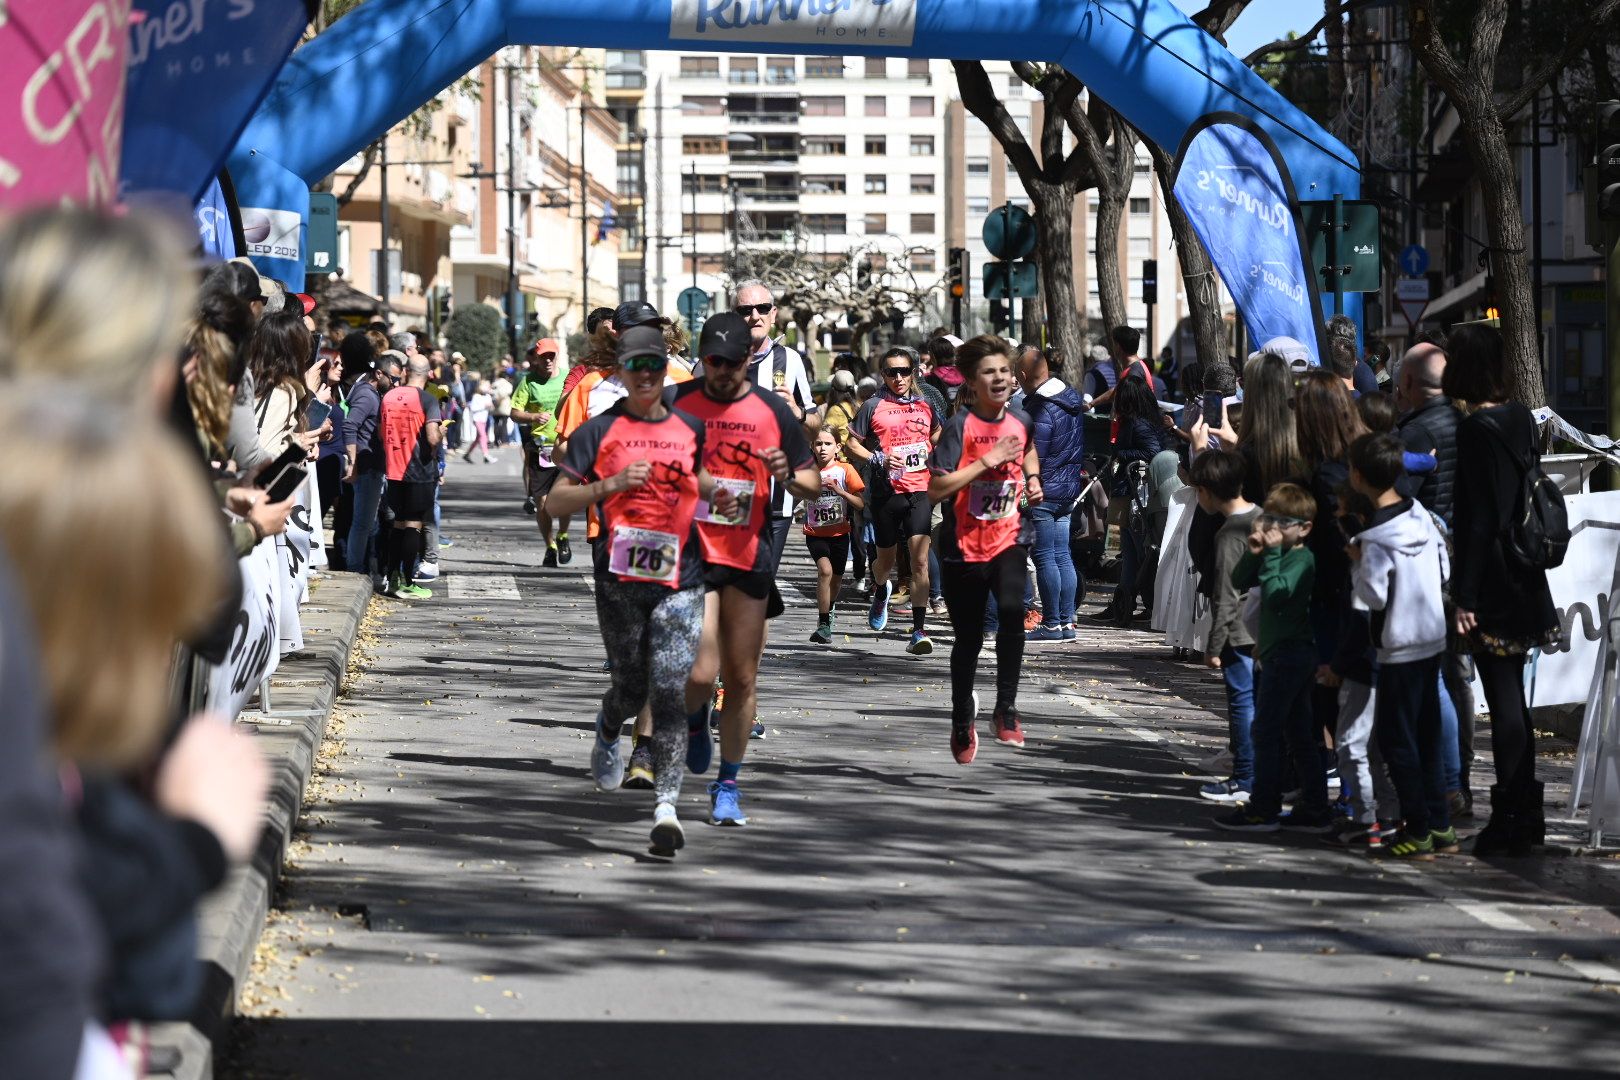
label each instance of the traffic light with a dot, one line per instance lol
(957, 285)
(999, 319)
(1607, 139)
(1150, 281)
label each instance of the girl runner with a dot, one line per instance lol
(984, 468)
(826, 527)
(640, 464)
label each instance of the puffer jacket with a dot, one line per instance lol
(1060, 439)
(1433, 426)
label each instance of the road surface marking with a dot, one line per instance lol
(1592, 969)
(1492, 916)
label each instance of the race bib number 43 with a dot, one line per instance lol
(645, 555)
(993, 500)
(912, 457)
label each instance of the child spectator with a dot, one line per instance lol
(1282, 567)
(1400, 569)
(1217, 479)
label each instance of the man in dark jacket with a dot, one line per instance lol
(1059, 435)
(1429, 424)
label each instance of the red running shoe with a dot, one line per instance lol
(1004, 722)
(964, 744)
(1032, 619)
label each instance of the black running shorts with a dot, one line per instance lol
(899, 516)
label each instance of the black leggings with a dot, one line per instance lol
(1513, 740)
(967, 588)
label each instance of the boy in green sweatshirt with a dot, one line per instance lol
(1280, 565)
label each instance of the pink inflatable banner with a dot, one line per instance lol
(61, 99)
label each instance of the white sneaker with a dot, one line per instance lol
(607, 760)
(427, 571)
(667, 835)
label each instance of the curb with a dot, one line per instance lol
(231, 918)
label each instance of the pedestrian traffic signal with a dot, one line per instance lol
(1150, 281)
(1608, 160)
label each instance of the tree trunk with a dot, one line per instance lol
(1110, 286)
(1203, 293)
(1054, 248)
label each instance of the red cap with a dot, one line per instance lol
(307, 300)
(546, 345)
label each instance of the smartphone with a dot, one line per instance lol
(286, 482)
(293, 455)
(1214, 409)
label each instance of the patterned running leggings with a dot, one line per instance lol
(651, 633)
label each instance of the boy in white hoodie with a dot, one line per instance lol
(1399, 567)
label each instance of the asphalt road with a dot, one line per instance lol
(462, 902)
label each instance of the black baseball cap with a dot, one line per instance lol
(596, 318)
(641, 341)
(726, 337)
(633, 313)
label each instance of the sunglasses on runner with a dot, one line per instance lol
(646, 363)
(896, 372)
(750, 309)
(724, 361)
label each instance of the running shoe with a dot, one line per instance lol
(723, 806)
(1461, 804)
(699, 744)
(878, 616)
(937, 605)
(551, 556)
(640, 775)
(1004, 722)
(921, 643)
(823, 635)
(1224, 791)
(607, 760)
(964, 743)
(1384, 835)
(1350, 833)
(565, 554)
(667, 835)
(1404, 846)
(1240, 820)
(529, 506)
(414, 592)
(1032, 618)
(1068, 632)
(1445, 841)
(491, 459)
(426, 571)
(1300, 820)
(446, 542)
(1044, 633)
(758, 730)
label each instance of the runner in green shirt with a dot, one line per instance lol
(534, 409)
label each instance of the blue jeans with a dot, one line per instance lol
(1237, 671)
(1450, 748)
(1130, 562)
(360, 546)
(1054, 565)
(936, 586)
(1283, 722)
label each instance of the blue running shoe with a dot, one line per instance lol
(1045, 633)
(921, 644)
(723, 807)
(878, 616)
(758, 730)
(607, 760)
(699, 743)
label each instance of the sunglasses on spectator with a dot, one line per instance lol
(724, 361)
(896, 372)
(646, 363)
(750, 309)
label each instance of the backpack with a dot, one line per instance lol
(1537, 537)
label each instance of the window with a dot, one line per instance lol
(824, 67)
(824, 106)
(877, 144)
(823, 185)
(877, 67)
(877, 260)
(1141, 247)
(703, 184)
(922, 223)
(922, 106)
(703, 223)
(824, 144)
(923, 262)
(1015, 86)
(876, 185)
(695, 145)
(877, 105)
(1140, 206)
(1141, 166)
(922, 146)
(922, 183)
(742, 69)
(978, 204)
(781, 70)
(824, 224)
(703, 106)
(877, 223)
(700, 67)
(978, 166)
(916, 69)
(706, 263)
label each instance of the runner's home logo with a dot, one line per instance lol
(875, 22)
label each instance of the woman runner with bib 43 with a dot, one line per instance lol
(985, 470)
(640, 464)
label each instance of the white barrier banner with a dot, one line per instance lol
(1179, 609)
(292, 550)
(317, 532)
(1580, 591)
(254, 652)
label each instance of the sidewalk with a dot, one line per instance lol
(304, 688)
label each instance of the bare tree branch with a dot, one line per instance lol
(1218, 18)
(1302, 41)
(1580, 37)
(981, 100)
(359, 177)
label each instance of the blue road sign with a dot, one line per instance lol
(1415, 260)
(693, 302)
(1009, 232)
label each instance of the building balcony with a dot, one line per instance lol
(764, 119)
(766, 159)
(748, 198)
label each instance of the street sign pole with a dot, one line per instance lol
(1333, 253)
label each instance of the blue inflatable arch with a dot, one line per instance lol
(1244, 153)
